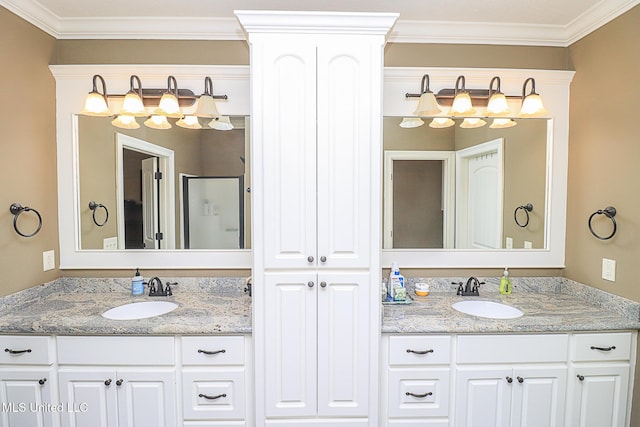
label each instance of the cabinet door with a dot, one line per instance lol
(539, 396)
(600, 395)
(483, 397)
(343, 344)
(346, 73)
(285, 136)
(94, 392)
(146, 398)
(290, 350)
(25, 396)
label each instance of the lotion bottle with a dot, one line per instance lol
(137, 284)
(505, 282)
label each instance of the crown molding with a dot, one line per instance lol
(404, 31)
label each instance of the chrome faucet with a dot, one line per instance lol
(157, 290)
(470, 289)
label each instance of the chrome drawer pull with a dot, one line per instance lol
(8, 350)
(613, 347)
(212, 397)
(419, 395)
(419, 351)
(212, 352)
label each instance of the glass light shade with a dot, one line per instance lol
(498, 106)
(157, 122)
(411, 122)
(207, 107)
(441, 123)
(221, 123)
(125, 122)
(502, 123)
(169, 106)
(189, 122)
(95, 105)
(133, 105)
(462, 105)
(472, 122)
(428, 105)
(532, 106)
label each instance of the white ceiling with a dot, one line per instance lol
(524, 22)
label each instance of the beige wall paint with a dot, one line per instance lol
(28, 145)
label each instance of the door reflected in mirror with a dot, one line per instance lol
(458, 188)
(164, 189)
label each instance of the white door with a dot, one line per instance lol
(600, 396)
(95, 389)
(25, 396)
(146, 398)
(483, 397)
(539, 397)
(479, 196)
(150, 223)
(290, 361)
(343, 344)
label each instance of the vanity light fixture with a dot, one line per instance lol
(462, 105)
(441, 123)
(169, 106)
(132, 104)
(221, 123)
(411, 122)
(427, 105)
(472, 123)
(96, 103)
(189, 122)
(502, 123)
(206, 104)
(157, 122)
(125, 122)
(532, 105)
(497, 105)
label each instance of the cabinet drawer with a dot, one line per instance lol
(213, 394)
(118, 350)
(419, 392)
(419, 350)
(601, 347)
(218, 351)
(26, 350)
(512, 348)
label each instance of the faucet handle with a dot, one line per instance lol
(167, 288)
(460, 286)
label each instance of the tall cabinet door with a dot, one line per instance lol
(286, 136)
(290, 353)
(343, 344)
(25, 395)
(345, 99)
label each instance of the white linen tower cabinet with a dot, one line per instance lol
(316, 82)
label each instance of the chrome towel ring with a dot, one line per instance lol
(94, 207)
(609, 212)
(16, 209)
(526, 209)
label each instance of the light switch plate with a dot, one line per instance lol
(508, 243)
(528, 244)
(48, 260)
(609, 269)
(110, 243)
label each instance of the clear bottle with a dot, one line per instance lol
(137, 284)
(505, 282)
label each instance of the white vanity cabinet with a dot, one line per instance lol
(601, 368)
(214, 380)
(122, 381)
(27, 382)
(511, 380)
(316, 143)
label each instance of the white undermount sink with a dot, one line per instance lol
(140, 310)
(488, 309)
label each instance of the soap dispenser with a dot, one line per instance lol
(137, 284)
(505, 282)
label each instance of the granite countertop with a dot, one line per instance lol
(549, 305)
(72, 306)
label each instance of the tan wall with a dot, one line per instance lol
(28, 145)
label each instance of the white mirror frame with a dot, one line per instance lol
(73, 82)
(553, 87)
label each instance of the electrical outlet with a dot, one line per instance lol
(609, 269)
(508, 243)
(48, 260)
(527, 244)
(110, 243)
